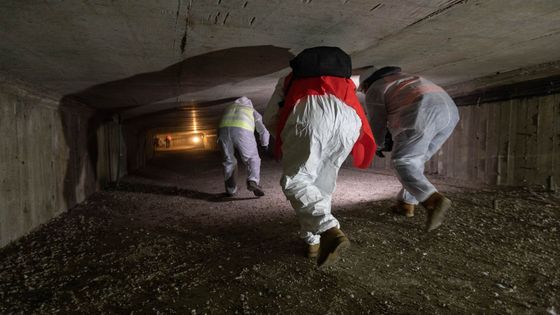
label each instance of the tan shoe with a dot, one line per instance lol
(403, 208)
(312, 250)
(255, 188)
(437, 205)
(333, 243)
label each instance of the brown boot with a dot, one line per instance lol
(437, 205)
(333, 243)
(312, 250)
(403, 208)
(255, 188)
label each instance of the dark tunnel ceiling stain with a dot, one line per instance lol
(193, 74)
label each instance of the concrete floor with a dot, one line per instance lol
(166, 241)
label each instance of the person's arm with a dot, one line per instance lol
(272, 111)
(375, 103)
(261, 129)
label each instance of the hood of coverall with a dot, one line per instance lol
(244, 101)
(366, 75)
(376, 75)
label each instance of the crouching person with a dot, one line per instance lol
(317, 121)
(236, 131)
(420, 116)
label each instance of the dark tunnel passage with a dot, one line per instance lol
(115, 118)
(165, 239)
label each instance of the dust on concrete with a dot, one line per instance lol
(167, 241)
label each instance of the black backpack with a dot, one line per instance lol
(321, 61)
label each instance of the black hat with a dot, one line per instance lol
(381, 73)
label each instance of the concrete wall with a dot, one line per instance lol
(112, 152)
(514, 142)
(49, 157)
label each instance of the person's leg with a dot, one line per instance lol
(302, 160)
(404, 196)
(408, 161)
(337, 147)
(408, 158)
(312, 241)
(309, 238)
(437, 204)
(316, 140)
(229, 161)
(406, 203)
(247, 146)
(414, 147)
(439, 139)
(412, 150)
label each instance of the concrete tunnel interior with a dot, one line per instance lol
(112, 190)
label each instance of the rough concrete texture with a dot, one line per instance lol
(47, 163)
(111, 152)
(514, 142)
(165, 241)
(154, 55)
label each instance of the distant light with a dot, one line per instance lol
(195, 139)
(194, 122)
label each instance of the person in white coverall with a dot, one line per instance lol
(420, 116)
(318, 135)
(236, 131)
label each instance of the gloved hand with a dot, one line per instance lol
(263, 151)
(388, 142)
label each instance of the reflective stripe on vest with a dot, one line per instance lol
(238, 116)
(411, 90)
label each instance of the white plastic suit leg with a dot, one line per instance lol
(231, 138)
(413, 148)
(244, 141)
(309, 237)
(407, 197)
(229, 161)
(317, 138)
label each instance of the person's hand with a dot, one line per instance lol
(263, 151)
(388, 147)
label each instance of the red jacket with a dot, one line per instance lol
(343, 89)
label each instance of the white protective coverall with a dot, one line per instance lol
(237, 127)
(420, 116)
(318, 136)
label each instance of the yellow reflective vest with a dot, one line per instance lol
(239, 116)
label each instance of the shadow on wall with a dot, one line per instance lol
(81, 125)
(191, 75)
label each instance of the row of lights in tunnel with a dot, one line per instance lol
(196, 138)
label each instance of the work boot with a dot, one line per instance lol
(231, 189)
(436, 205)
(403, 208)
(312, 250)
(333, 243)
(255, 188)
(231, 186)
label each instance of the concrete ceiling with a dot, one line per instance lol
(144, 57)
